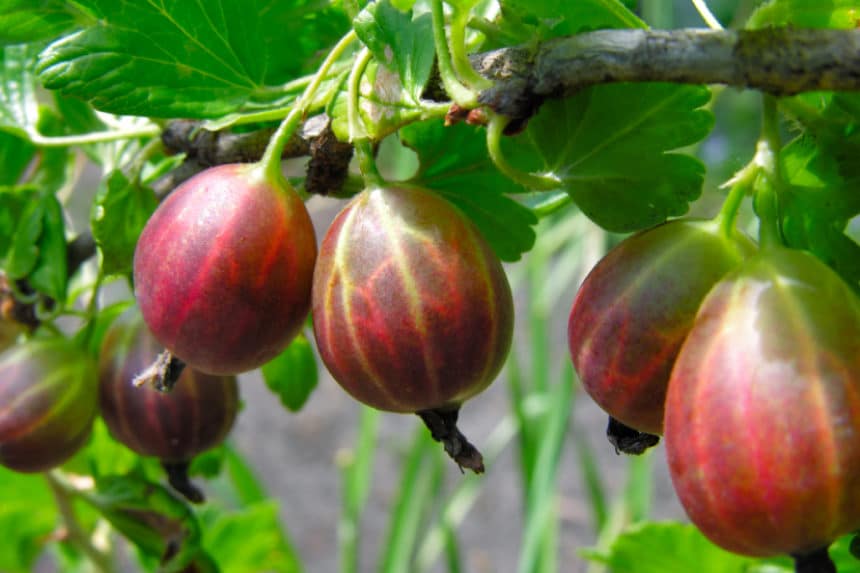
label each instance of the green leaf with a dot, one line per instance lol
(27, 517)
(13, 202)
(563, 17)
(670, 548)
(248, 488)
(609, 145)
(19, 110)
(119, 214)
(188, 59)
(292, 375)
(152, 518)
(400, 43)
(24, 21)
(454, 162)
(15, 156)
(820, 199)
(806, 14)
(249, 540)
(38, 248)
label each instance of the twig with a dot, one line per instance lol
(779, 61)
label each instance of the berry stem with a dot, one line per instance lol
(271, 161)
(817, 561)
(63, 495)
(740, 184)
(357, 132)
(532, 181)
(442, 423)
(96, 137)
(177, 477)
(460, 94)
(766, 184)
(460, 59)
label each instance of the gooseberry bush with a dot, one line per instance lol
(157, 165)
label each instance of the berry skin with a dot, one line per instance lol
(48, 401)
(174, 427)
(223, 269)
(763, 408)
(635, 308)
(412, 310)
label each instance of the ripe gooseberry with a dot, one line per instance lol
(223, 269)
(48, 401)
(197, 414)
(635, 308)
(763, 410)
(412, 310)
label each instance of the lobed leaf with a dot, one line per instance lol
(400, 43)
(610, 146)
(169, 58)
(453, 161)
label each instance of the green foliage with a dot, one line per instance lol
(400, 43)
(119, 213)
(15, 155)
(18, 107)
(23, 21)
(806, 14)
(560, 17)
(671, 548)
(250, 538)
(612, 148)
(292, 375)
(187, 59)
(27, 517)
(37, 250)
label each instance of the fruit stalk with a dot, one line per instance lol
(271, 160)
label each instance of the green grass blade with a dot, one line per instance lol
(593, 481)
(422, 474)
(356, 476)
(452, 550)
(540, 512)
(527, 431)
(464, 497)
